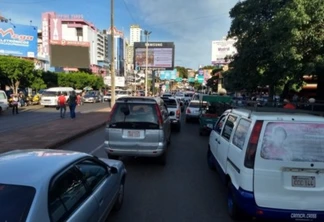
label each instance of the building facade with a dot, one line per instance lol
(136, 34)
(222, 50)
(73, 28)
(119, 51)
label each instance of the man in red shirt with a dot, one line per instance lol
(61, 103)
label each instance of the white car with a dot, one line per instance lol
(194, 109)
(271, 162)
(4, 105)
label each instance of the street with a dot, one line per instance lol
(183, 190)
(39, 115)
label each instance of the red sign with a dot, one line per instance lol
(13, 35)
(70, 43)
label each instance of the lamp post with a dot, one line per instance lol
(147, 34)
(112, 60)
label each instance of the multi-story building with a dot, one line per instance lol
(136, 34)
(119, 50)
(73, 28)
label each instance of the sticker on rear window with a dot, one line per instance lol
(303, 142)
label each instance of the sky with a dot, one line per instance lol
(191, 24)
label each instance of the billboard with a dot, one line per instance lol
(69, 54)
(18, 40)
(119, 81)
(222, 49)
(168, 75)
(160, 55)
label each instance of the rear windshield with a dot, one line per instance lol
(171, 103)
(197, 105)
(301, 142)
(49, 94)
(15, 202)
(137, 116)
(2, 95)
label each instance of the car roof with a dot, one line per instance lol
(33, 167)
(139, 99)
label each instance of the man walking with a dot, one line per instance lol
(61, 102)
(72, 101)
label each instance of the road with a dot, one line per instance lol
(183, 190)
(39, 115)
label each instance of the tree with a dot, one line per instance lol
(16, 70)
(50, 78)
(183, 72)
(79, 80)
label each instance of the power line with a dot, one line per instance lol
(129, 12)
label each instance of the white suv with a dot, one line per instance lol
(271, 162)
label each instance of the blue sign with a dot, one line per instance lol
(200, 79)
(201, 72)
(168, 74)
(18, 40)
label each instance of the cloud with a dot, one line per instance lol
(192, 24)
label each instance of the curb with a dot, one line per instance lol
(75, 136)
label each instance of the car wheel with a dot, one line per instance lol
(120, 197)
(162, 158)
(210, 161)
(112, 157)
(178, 128)
(232, 207)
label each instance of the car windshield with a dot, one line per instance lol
(170, 103)
(49, 94)
(188, 95)
(15, 202)
(134, 115)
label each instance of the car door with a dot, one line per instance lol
(224, 140)
(215, 135)
(101, 184)
(69, 199)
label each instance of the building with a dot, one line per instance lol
(222, 50)
(119, 51)
(73, 28)
(136, 34)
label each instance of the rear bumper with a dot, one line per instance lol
(246, 201)
(192, 116)
(175, 121)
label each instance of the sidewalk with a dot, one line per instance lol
(55, 133)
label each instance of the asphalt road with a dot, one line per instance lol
(184, 190)
(39, 115)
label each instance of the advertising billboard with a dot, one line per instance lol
(18, 40)
(160, 55)
(168, 75)
(69, 54)
(222, 49)
(119, 81)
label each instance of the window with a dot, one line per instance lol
(15, 202)
(79, 31)
(67, 193)
(170, 103)
(241, 133)
(228, 128)
(2, 95)
(219, 125)
(92, 172)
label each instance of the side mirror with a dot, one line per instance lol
(113, 170)
(171, 113)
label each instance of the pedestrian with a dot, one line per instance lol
(14, 103)
(61, 103)
(72, 101)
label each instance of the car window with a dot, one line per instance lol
(2, 95)
(219, 125)
(241, 132)
(93, 173)
(228, 127)
(49, 94)
(170, 103)
(298, 142)
(67, 194)
(15, 202)
(197, 105)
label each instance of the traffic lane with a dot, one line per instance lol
(183, 190)
(40, 116)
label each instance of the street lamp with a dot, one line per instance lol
(147, 34)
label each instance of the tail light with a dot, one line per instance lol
(188, 110)
(112, 112)
(159, 115)
(178, 113)
(253, 144)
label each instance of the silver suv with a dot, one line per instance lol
(138, 126)
(174, 112)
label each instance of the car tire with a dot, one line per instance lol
(232, 207)
(163, 158)
(112, 157)
(178, 128)
(210, 160)
(120, 197)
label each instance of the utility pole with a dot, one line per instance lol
(147, 34)
(112, 60)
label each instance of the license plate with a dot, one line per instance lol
(210, 126)
(133, 133)
(303, 181)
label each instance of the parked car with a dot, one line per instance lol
(4, 104)
(58, 185)
(92, 97)
(138, 126)
(174, 109)
(271, 162)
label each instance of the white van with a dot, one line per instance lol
(4, 105)
(49, 96)
(272, 163)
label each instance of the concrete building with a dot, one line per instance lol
(119, 51)
(136, 34)
(221, 50)
(73, 28)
